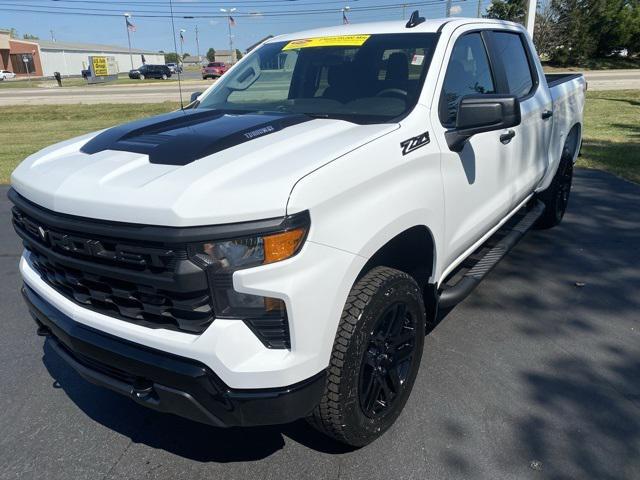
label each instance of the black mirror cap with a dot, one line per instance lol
(483, 113)
(194, 97)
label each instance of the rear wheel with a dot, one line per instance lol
(375, 358)
(164, 76)
(556, 196)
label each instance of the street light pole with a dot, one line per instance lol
(182, 30)
(229, 11)
(126, 25)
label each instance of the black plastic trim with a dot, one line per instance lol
(156, 233)
(167, 382)
(554, 79)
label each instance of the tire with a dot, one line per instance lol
(371, 374)
(164, 77)
(556, 196)
(141, 77)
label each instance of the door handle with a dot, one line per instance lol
(506, 137)
(547, 114)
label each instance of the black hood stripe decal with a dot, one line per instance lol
(182, 137)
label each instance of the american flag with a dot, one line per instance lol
(181, 36)
(130, 26)
(232, 22)
(345, 20)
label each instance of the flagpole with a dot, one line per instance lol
(198, 44)
(126, 25)
(231, 50)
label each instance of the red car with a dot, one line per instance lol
(214, 70)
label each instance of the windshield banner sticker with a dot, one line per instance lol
(335, 41)
(414, 143)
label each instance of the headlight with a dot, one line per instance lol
(222, 258)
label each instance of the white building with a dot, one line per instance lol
(71, 58)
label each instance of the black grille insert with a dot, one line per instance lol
(153, 285)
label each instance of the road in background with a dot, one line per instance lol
(152, 93)
(535, 376)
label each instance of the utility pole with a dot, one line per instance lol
(198, 44)
(404, 11)
(229, 11)
(531, 16)
(126, 21)
(53, 37)
(448, 9)
(479, 14)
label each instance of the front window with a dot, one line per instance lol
(363, 78)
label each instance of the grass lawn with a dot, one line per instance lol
(611, 132)
(81, 82)
(611, 136)
(612, 63)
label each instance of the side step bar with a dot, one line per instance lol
(453, 295)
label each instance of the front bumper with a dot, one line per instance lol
(167, 382)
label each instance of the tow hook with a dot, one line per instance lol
(142, 388)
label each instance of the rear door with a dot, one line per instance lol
(516, 73)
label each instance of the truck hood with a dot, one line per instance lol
(197, 167)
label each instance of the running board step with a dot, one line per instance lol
(453, 295)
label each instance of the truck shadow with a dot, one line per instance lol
(188, 439)
(570, 298)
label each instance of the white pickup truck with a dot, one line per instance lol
(279, 248)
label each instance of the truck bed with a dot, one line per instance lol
(554, 79)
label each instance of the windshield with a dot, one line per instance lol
(360, 78)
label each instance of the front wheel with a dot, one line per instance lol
(375, 358)
(141, 77)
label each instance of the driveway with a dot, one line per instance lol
(535, 376)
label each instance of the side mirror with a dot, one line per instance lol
(194, 96)
(482, 113)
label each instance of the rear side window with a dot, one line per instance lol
(468, 73)
(509, 47)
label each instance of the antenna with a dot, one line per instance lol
(415, 19)
(175, 48)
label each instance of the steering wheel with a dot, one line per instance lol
(392, 91)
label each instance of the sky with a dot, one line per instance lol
(254, 19)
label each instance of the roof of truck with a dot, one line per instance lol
(430, 25)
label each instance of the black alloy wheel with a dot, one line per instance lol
(386, 363)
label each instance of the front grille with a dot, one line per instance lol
(153, 285)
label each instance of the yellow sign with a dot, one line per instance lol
(100, 67)
(336, 41)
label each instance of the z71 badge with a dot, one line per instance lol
(415, 143)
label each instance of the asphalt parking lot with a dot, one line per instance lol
(535, 376)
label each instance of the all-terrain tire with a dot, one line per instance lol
(556, 196)
(366, 360)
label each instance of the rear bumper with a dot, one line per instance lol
(166, 382)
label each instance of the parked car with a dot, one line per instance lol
(214, 70)
(174, 67)
(6, 75)
(279, 249)
(150, 71)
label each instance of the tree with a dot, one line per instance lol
(545, 34)
(511, 10)
(211, 55)
(28, 36)
(171, 57)
(238, 54)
